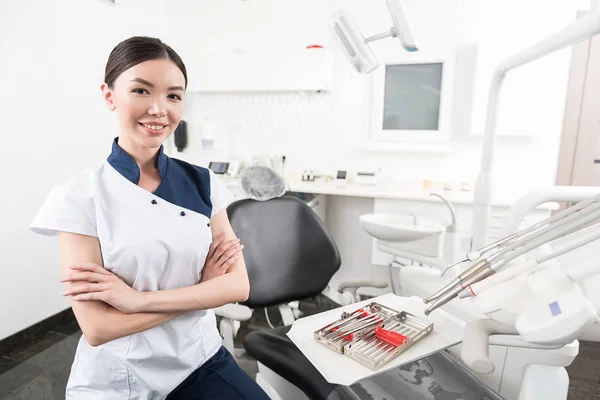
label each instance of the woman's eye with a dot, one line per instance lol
(175, 97)
(140, 91)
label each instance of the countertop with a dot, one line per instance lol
(383, 191)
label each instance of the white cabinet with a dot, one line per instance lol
(438, 212)
(304, 69)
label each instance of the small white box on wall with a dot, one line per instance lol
(299, 69)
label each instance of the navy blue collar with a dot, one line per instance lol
(126, 165)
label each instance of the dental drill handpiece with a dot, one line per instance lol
(485, 268)
(476, 254)
(566, 213)
(511, 273)
(471, 256)
(482, 270)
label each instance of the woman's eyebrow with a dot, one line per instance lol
(145, 82)
(142, 81)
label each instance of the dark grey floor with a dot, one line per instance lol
(40, 371)
(584, 373)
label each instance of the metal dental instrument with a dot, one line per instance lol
(587, 239)
(561, 224)
(476, 254)
(486, 267)
(507, 274)
(504, 242)
(373, 335)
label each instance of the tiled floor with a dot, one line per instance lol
(584, 373)
(40, 372)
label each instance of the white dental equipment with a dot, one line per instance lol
(364, 61)
(359, 54)
(582, 29)
(476, 254)
(548, 300)
(581, 270)
(356, 48)
(509, 248)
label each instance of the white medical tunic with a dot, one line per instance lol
(153, 241)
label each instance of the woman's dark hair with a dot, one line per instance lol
(136, 50)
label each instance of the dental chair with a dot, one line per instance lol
(291, 256)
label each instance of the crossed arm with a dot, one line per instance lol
(106, 308)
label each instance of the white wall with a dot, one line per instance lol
(327, 131)
(52, 57)
(54, 123)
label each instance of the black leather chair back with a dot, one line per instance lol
(288, 252)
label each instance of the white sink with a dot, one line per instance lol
(400, 228)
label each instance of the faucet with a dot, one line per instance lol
(451, 241)
(414, 217)
(452, 226)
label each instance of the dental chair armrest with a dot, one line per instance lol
(481, 333)
(236, 312)
(348, 288)
(374, 283)
(518, 341)
(476, 341)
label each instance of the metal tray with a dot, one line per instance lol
(373, 335)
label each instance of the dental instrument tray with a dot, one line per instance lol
(373, 335)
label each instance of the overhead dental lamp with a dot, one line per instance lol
(357, 49)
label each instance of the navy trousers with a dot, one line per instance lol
(218, 378)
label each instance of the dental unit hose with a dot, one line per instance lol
(486, 267)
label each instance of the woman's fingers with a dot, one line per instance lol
(216, 242)
(98, 296)
(235, 251)
(85, 276)
(225, 246)
(229, 262)
(90, 267)
(85, 288)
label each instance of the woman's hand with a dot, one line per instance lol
(221, 255)
(93, 282)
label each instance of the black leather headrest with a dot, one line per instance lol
(288, 252)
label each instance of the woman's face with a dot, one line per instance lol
(148, 100)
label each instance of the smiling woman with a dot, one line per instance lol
(147, 250)
(144, 83)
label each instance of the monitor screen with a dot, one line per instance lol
(412, 96)
(218, 167)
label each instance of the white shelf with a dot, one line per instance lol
(408, 147)
(389, 192)
(291, 70)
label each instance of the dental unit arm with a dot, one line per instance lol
(547, 299)
(495, 256)
(582, 29)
